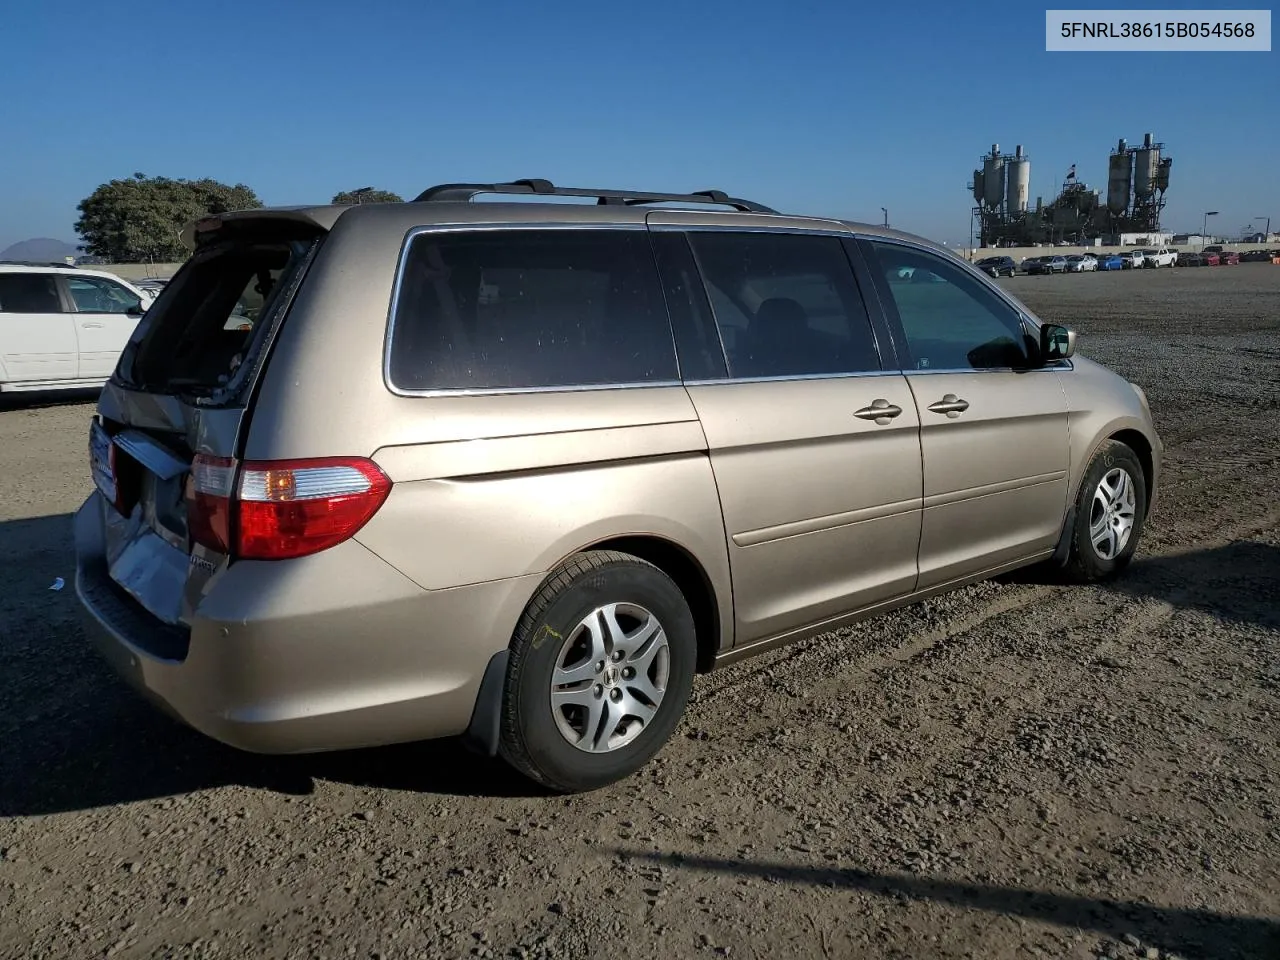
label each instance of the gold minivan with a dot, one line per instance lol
(517, 470)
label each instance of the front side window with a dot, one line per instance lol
(96, 295)
(512, 309)
(951, 319)
(787, 305)
(29, 293)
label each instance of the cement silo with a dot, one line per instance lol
(1017, 182)
(1146, 168)
(1119, 179)
(993, 178)
(979, 193)
(1150, 181)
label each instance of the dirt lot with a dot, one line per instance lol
(1017, 770)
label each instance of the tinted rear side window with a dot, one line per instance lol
(530, 308)
(29, 293)
(787, 305)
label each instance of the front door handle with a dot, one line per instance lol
(90, 325)
(881, 411)
(951, 405)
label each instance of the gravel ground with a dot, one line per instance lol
(1015, 770)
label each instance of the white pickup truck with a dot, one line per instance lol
(1162, 257)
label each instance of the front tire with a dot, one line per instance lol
(601, 667)
(1110, 511)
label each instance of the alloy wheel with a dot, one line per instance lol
(610, 677)
(1112, 514)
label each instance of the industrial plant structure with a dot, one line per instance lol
(1137, 178)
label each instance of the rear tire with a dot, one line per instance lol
(1110, 512)
(601, 667)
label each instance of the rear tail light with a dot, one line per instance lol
(209, 489)
(277, 509)
(294, 507)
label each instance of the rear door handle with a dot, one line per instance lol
(951, 405)
(881, 411)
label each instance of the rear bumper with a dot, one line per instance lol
(329, 652)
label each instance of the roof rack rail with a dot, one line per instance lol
(464, 192)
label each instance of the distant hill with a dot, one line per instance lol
(40, 249)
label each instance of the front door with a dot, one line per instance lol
(993, 425)
(814, 446)
(37, 337)
(106, 314)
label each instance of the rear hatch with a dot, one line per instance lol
(172, 417)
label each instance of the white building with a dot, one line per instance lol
(1144, 240)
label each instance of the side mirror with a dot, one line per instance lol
(1057, 342)
(137, 310)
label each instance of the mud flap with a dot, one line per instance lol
(1063, 551)
(483, 731)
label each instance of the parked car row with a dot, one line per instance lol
(1081, 262)
(1202, 259)
(1259, 256)
(1146, 259)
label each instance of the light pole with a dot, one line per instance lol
(1267, 238)
(1204, 230)
(886, 216)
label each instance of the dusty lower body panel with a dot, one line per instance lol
(333, 651)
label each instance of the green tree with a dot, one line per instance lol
(140, 218)
(367, 195)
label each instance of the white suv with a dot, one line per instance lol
(63, 327)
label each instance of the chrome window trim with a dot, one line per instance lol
(503, 391)
(659, 384)
(721, 381)
(749, 228)
(401, 262)
(1054, 367)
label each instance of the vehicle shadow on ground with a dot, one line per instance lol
(1237, 582)
(1199, 933)
(130, 753)
(39, 399)
(73, 736)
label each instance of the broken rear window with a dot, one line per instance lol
(214, 316)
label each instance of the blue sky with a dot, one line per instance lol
(831, 108)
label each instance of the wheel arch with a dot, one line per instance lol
(1136, 441)
(689, 576)
(677, 562)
